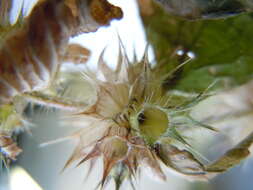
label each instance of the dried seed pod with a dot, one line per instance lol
(8, 147)
(31, 55)
(181, 160)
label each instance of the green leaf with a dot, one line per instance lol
(222, 50)
(206, 9)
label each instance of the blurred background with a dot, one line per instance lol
(40, 168)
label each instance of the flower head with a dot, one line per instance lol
(133, 124)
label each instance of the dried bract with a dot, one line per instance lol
(31, 54)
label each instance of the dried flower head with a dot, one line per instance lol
(133, 124)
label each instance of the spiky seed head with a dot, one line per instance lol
(132, 124)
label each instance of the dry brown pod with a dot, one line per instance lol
(31, 55)
(8, 146)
